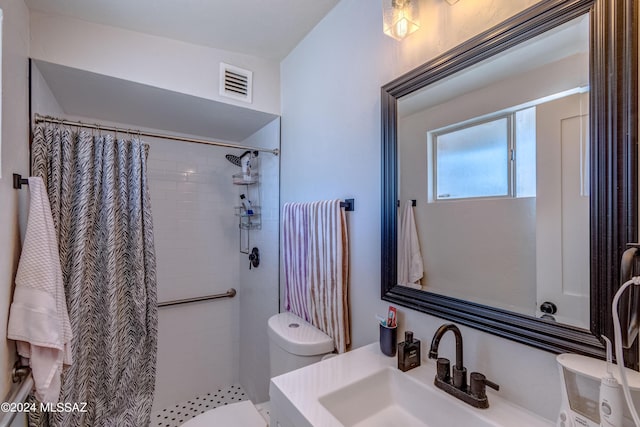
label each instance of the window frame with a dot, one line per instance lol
(512, 145)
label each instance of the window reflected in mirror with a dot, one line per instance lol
(483, 159)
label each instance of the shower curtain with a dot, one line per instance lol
(98, 190)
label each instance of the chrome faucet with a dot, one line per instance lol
(475, 395)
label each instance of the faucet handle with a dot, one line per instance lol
(479, 383)
(491, 384)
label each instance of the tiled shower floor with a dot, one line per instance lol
(174, 416)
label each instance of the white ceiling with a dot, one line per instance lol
(264, 28)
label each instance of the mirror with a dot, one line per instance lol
(496, 158)
(519, 154)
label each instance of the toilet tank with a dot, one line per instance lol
(294, 343)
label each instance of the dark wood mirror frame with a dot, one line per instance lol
(614, 172)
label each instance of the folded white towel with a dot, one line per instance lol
(410, 265)
(38, 317)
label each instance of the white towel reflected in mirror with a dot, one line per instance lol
(410, 265)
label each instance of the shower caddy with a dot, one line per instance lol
(250, 187)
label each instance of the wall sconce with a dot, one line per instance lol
(400, 17)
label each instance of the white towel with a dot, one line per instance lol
(410, 266)
(38, 317)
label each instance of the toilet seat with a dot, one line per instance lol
(240, 414)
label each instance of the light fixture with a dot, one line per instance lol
(452, 2)
(400, 17)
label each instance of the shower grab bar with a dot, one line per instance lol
(18, 396)
(229, 294)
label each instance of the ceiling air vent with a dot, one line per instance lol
(235, 82)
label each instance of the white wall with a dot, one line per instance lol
(151, 60)
(258, 290)
(475, 250)
(42, 99)
(331, 148)
(15, 158)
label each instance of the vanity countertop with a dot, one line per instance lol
(296, 394)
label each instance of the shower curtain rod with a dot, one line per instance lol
(49, 119)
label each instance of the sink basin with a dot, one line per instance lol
(390, 397)
(362, 387)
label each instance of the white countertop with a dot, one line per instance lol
(296, 393)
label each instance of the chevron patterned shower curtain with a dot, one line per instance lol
(98, 190)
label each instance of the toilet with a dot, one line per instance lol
(293, 344)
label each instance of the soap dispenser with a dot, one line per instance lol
(408, 352)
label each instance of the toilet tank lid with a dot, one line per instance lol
(297, 336)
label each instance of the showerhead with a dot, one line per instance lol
(236, 159)
(233, 159)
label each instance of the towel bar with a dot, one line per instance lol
(19, 396)
(348, 205)
(19, 181)
(229, 294)
(19, 371)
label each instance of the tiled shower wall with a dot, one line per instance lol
(196, 238)
(210, 345)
